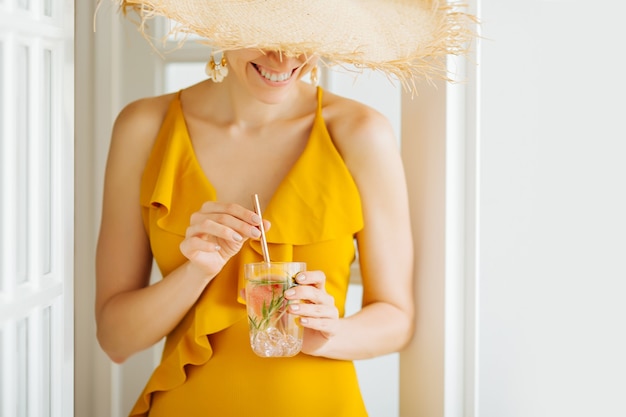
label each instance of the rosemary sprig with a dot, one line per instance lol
(275, 305)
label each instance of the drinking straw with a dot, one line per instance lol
(257, 208)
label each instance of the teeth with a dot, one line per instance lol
(274, 77)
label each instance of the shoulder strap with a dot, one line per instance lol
(319, 99)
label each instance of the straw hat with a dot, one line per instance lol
(408, 39)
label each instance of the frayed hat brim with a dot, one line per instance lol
(406, 39)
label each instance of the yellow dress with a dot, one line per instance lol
(207, 367)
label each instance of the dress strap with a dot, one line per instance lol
(319, 100)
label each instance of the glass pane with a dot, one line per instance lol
(1, 89)
(179, 75)
(21, 383)
(22, 115)
(46, 361)
(47, 8)
(45, 155)
(23, 4)
(2, 152)
(3, 365)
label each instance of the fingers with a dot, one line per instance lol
(226, 221)
(311, 288)
(316, 307)
(217, 232)
(193, 245)
(314, 278)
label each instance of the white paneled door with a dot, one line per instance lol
(36, 210)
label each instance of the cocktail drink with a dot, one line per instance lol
(274, 331)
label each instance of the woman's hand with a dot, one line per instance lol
(217, 232)
(318, 314)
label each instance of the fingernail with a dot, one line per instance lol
(300, 277)
(256, 232)
(289, 293)
(294, 307)
(256, 219)
(217, 248)
(303, 320)
(237, 237)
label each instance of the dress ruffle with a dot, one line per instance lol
(323, 204)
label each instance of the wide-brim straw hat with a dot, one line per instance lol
(407, 39)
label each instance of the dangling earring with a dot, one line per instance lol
(216, 68)
(314, 76)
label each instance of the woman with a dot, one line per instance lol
(180, 174)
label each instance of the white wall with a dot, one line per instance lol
(552, 209)
(518, 195)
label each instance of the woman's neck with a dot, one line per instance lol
(239, 107)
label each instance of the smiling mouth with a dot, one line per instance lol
(273, 76)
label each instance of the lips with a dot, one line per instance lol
(273, 76)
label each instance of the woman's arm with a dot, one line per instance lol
(385, 323)
(126, 306)
(132, 315)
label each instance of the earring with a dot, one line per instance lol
(216, 69)
(314, 76)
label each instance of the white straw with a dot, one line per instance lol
(257, 208)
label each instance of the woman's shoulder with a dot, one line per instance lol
(138, 123)
(355, 124)
(136, 129)
(145, 113)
